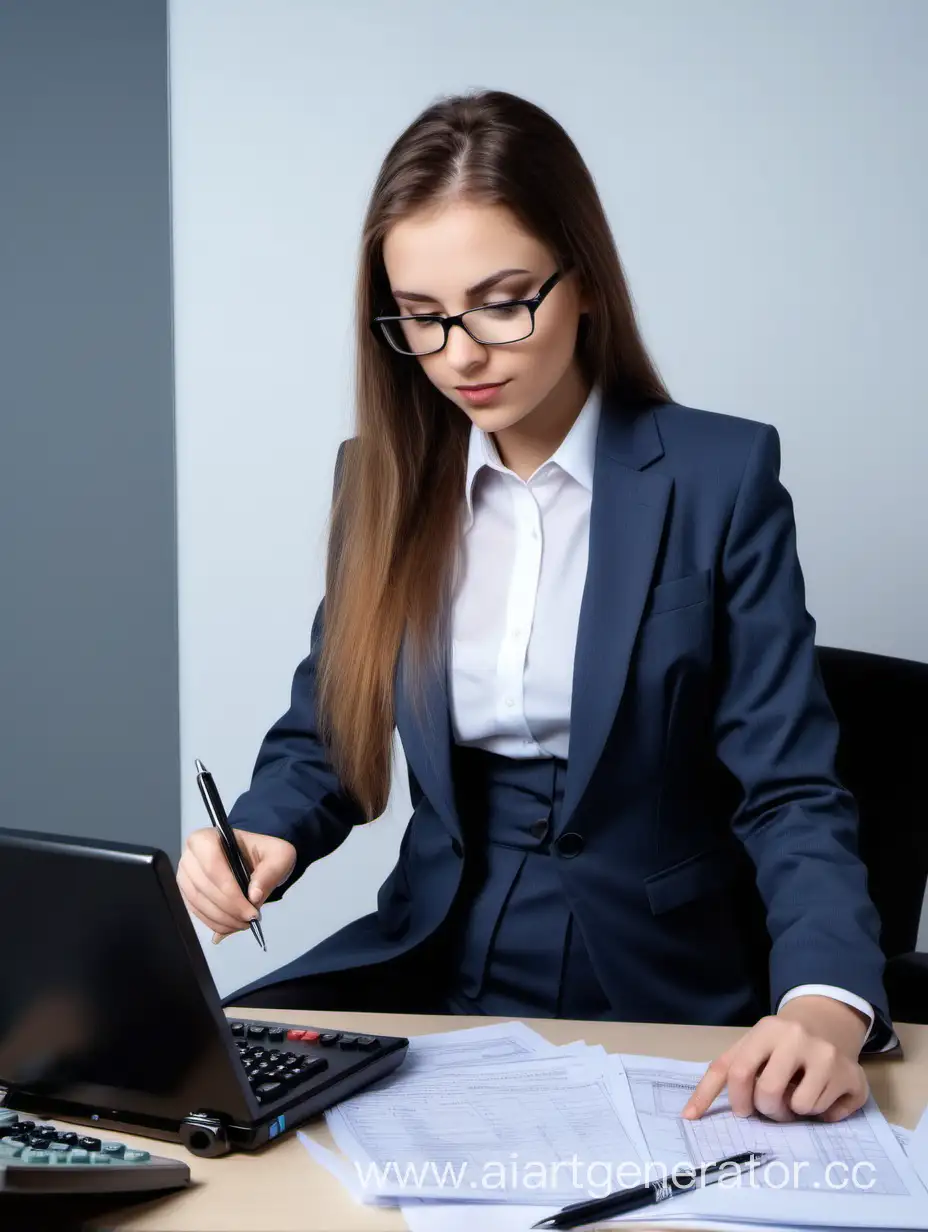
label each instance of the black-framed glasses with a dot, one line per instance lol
(511, 320)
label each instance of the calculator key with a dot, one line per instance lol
(79, 1156)
(33, 1156)
(113, 1149)
(310, 1037)
(68, 1138)
(7, 1117)
(368, 1042)
(294, 1034)
(136, 1157)
(89, 1144)
(58, 1148)
(256, 1032)
(237, 1028)
(348, 1041)
(268, 1090)
(276, 1034)
(327, 1038)
(97, 1158)
(10, 1149)
(309, 1068)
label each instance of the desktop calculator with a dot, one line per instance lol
(44, 1159)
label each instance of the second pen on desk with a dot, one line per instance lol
(233, 853)
(624, 1201)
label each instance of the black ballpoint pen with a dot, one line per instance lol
(237, 862)
(623, 1200)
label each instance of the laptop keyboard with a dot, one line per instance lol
(278, 1059)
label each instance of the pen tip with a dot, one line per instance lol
(201, 769)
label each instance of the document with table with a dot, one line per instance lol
(496, 1123)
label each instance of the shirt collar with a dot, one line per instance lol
(576, 454)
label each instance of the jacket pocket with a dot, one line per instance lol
(680, 592)
(689, 879)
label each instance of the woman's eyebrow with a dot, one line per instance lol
(478, 288)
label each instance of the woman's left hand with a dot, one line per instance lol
(801, 1062)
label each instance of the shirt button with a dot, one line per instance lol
(510, 701)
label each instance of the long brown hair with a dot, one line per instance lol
(394, 523)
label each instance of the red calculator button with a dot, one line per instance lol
(294, 1035)
(310, 1037)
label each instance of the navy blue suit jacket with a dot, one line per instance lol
(700, 782)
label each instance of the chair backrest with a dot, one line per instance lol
(882, 708)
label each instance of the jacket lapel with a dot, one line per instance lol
(627, 516)
(426, 734)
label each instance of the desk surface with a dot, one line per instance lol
(280, 1188)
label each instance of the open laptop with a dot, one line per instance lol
(109, 1014)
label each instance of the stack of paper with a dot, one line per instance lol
(498, 1124)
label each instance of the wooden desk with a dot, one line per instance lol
(281, 1188)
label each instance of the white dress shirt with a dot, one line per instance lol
(524, 552)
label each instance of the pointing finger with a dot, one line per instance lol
(708, 1089)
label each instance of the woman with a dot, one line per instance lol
(580, 604)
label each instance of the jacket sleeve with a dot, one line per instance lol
(776, 732)
(294, 792)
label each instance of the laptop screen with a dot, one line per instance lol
(106, 999)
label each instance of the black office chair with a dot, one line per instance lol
(882, 708)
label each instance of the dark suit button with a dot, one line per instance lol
(456, 847)
(569, 845)
(539, 829)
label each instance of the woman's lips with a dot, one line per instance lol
(481, 395)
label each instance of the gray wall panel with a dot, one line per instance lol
(88, 602)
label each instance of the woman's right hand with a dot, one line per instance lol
(209, 888)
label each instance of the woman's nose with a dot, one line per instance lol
(461, 351)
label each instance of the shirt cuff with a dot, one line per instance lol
(839, 994)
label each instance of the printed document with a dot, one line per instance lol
(853, 1173)
(530, 1129)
